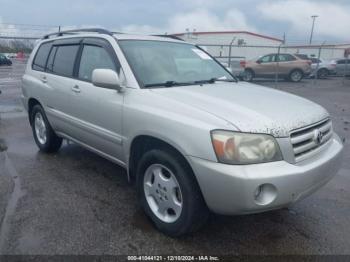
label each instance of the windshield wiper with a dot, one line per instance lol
(224, 80)
(169, 84)
(213, 80)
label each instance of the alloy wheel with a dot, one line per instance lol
(163, 193)
(40, 128)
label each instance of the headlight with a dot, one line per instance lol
(244, 148)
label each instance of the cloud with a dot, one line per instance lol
(199, 19)
(333, 20)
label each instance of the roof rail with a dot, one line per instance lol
(170, 36)
(91, 30)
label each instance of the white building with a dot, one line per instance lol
(247, 45)
(244, 44)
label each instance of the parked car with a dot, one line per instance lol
(4, 60)
(191, 137)
(285, 65)
(319, 67)
(236, 68)
(322, 68)
(342, 66)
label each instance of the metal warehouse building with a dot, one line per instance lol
(242, 45)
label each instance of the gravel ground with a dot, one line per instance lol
(75, 202)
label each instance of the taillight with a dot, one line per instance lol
(242, 63)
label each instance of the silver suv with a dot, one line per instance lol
(190, 136)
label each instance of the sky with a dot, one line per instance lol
(270, 17)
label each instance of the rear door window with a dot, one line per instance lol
(64, 59)
(285, 58)
(41, 57)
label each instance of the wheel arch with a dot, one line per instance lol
(296, 69)
(31, 103)
(143, 143)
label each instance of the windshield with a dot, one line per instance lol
(158, 63)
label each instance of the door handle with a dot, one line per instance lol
(76, 89)
(44, 79)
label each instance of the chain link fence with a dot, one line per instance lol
(17, 38)
(325, 60)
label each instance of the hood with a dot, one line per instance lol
(250, 108)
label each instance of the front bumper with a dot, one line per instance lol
(232, 189)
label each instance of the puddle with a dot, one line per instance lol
(10, 210)
(10, 109)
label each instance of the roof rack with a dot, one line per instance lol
(170, 36)
(74, 31)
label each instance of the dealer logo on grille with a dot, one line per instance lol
(318, 136)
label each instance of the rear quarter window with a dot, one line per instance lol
(40, 58)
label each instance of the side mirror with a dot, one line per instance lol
(106, 78)
(258, 61)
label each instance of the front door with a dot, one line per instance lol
(98, 111)
(266, 66)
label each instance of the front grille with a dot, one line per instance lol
(305, 142)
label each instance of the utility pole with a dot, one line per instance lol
(312, 28)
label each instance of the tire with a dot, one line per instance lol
(296, 75)
(178, 188)
(248, 75)
(44, 136)
(322, 73)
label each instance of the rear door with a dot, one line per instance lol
(97, 111)
(286, 63)
(59, 81)
(343, 67)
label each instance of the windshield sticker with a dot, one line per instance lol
(201, 54)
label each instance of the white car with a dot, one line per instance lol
(322, 68)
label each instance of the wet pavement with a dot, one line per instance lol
(75, 202)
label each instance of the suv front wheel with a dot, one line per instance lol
(169, 193)
(44, 136)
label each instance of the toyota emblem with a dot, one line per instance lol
(318, 136)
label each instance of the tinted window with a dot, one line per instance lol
(94, 57)
(64, 60)
(285, 58)
(343, 61)
(52, 55)
(41, 56)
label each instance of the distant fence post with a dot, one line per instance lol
(229, 52)
(346, 68)
(318, 62)
(277, 64)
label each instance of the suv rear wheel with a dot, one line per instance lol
(44, 136)
(169, 193)
(248, 75)
(296, 75)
